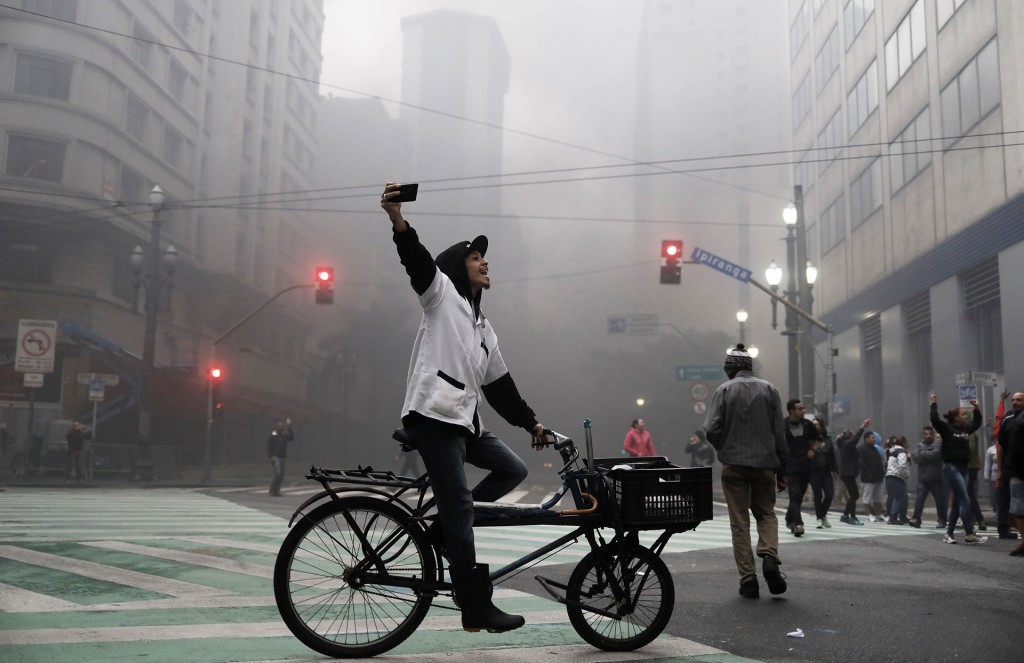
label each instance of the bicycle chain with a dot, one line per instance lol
(456, 608)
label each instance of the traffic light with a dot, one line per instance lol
(216, 403)
(324, 285)
(671, 261)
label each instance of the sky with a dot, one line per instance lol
(571, 103)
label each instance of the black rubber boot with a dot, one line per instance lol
(473, 592)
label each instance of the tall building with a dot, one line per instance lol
(905, 120)
(216, 104)
(712, 93)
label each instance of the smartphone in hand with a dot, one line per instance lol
(406, 194)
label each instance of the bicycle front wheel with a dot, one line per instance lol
(636, 586)
(319, 585)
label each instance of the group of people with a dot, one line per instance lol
(763, 450)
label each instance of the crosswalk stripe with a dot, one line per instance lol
(113, 574)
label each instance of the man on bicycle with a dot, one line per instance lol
(455, 361)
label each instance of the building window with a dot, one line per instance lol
(44, 77)
(866, 193)
(38, 158)
(911, 152)
(26, 262)
(827, 62)
(917, 319)
(803, 172)
(799, 30)
(944, 10)
(802, 101)
(833, 225)
(131, 186)
(829, 140)
(65, 10)
(136, 114)
(863, 98)
(905, 45)
(172, 146)
(871, 344)
(980, 286)
(176, 79)
(972, 95)
(855, 14)
(182, 16)
(142, 47)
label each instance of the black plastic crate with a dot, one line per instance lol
(655, 493)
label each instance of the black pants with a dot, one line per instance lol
(796, 482)
(853, 493)
(823, 490)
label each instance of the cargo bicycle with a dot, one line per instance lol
(358, 571)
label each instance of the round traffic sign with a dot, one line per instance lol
(700, 407)
(700, 391)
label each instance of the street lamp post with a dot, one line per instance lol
(773, 275)
(741, 317)
(152, 282)
(790, 216)
(807, 380)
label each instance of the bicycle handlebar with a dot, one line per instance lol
(552, 438)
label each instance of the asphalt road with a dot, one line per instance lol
(873, 598)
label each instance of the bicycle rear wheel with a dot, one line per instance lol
(644, 605)
(318, 582)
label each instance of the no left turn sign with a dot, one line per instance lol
(36, 346)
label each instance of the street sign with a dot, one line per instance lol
(37, 346)
(962, 379)
(106, 378)
(636, 324)
(700, 407)
(96, 390)
(33, 380)
(700, 373)
(720, 264)
(700, 391)
(968, 393)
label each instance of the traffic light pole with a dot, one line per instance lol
(213, 361)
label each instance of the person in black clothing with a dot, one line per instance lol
(702, 454)
(849, 469)
(824, 471)
(76, 437)
(872, 475)
(802, 438)
(277, 451)
(1011, 439)
(955, 433)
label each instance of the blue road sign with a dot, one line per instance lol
(721, 264)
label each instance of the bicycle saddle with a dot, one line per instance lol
(402, 437)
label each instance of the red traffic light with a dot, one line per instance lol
(671, 261)
(324, 285)
(215, 373)
(671, 248)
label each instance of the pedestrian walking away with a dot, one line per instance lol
(955, 433)
(456, 363)
(745, 426)
(849, 470)
(277, 454)
(803, 439)
(638, 440)
(929, 478)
